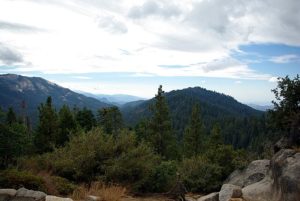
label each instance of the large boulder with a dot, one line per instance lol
(210, 197)
(259, 191)
(7, 194)
(255, 172)
(285, 168)
(229, 191)
(24, 194)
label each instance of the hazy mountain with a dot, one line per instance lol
(214, 107)
(115, 99)
(261, 107)
(34, 90)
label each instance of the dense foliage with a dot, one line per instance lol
(75, 145)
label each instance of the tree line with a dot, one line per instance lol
(79, 146)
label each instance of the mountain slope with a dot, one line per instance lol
(115, 99)
(34, 90)
(214, 107)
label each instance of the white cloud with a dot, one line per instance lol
(273, 79)
(285, 59)
(82, 77)
(93, 36)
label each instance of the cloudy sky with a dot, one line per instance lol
(237, 47)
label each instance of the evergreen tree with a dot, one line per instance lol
(10, 116)
(194, 134)
(215, 136)
(86, 119)
(286, 112)
(47, 129)
(161, 135)
(110, 119)
(67, 125)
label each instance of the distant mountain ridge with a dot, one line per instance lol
(215, 107)
(115, 99)
(35, 90)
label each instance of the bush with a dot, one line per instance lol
(200, 175)
(13, 178)
(162, 177)
(94, 155)
(62, 185)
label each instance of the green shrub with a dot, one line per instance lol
(13, 178)
(200, 175)
(162, 177)
(62, 185)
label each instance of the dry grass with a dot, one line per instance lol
(297, 149)
(104, 192)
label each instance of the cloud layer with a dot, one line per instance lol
(144, 37)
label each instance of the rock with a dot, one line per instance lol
(285, 167)
(24, 194)
(92, 198)
(255, 172)
(7, 194)
(54, 198)
(210, 197)
(230, 191)
(11, 192)
(259, 191)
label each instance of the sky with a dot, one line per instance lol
(236, 47)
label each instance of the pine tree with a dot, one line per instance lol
(161, 135)
(194, 134)
(110, 119)
(47, 129)
(85, 118)
(67, 125)
(10, 116)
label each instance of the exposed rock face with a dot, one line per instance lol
(259, 191)
(24, 194)
(7, 194)
(285, 169)
(210, 197)
(255, 172)
(229, 191)
(277, 179)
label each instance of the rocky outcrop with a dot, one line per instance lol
(229, 191)
(255, 172)
(285, 169)
(259, 191)
(210, 197)
(24, 194)
(277, 179)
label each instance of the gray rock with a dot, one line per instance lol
(11, 192)
(26, 194)
(7, 194)
(255, 172)
(285, 167)
(229, 191)
(210, 197)
(54, 198)
(92, 198)
(259, 191)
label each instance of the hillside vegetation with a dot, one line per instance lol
(70, 147)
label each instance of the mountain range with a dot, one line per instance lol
(32, 91)
(215, 106)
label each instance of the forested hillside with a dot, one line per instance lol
(240, 123)
(25, 94)
(69, 147)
